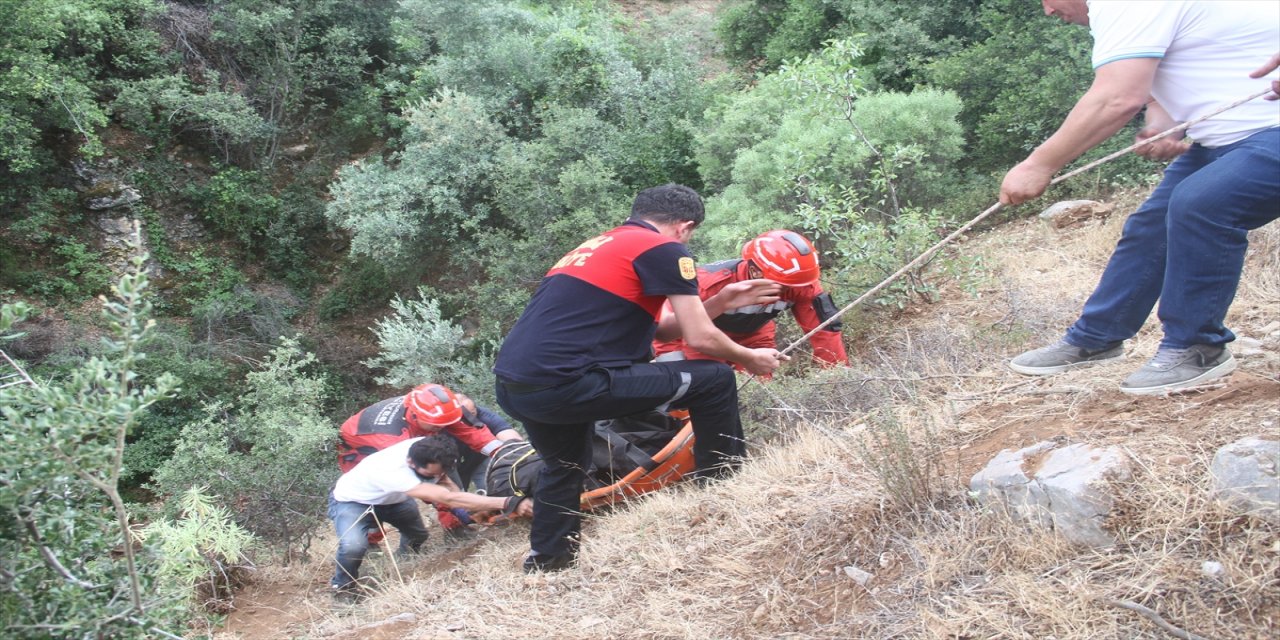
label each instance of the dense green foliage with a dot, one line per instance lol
(55, 66)
(900, 38)
(404, 172)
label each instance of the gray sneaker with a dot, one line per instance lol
(1061, 356)
(1177, 369)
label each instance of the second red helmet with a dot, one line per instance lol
(432, 405)
(785, 257)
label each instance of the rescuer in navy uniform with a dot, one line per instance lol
(581, 352)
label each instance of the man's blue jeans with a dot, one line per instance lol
(1185, 246)
(353, 524)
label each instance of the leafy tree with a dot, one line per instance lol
(54, 66)
(432, 194)
(552, 188)
(557, 117)
(901, 39)
(65, 520)
(270, 452)
(771, 30)
(1018, 84)
(169, 104)
(294, 58)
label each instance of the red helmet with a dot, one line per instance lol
(432, 405)
(785, 257)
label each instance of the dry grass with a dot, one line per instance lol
(764, 555)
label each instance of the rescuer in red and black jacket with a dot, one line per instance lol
(581, 352)
(784, 257)
(427, 410)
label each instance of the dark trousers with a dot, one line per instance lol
(559, 419)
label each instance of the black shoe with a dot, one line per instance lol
(348, 594)
(535, 563)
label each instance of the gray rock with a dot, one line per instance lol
(125, 196)
(858, 575)
(1073, 212)
(1065, 488)
(1246, 474)
(116, 226)
(1246, 347)
(1005, 481)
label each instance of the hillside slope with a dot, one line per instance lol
(765, 554)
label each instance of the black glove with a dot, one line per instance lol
(509, 507)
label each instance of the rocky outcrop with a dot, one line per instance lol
(1066, 488)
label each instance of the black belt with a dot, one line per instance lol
(520, 387)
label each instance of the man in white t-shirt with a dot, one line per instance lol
(388, 484)
(1185, 245)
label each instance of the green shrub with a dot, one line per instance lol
(203, 554)
(417, 344)
(269, 452)
(43, 258)
(237, 203)
(166, 106)
(820, 136)
(1019, 83)
(207, 373)
(296, 61)
(745, 27)
(803, 27)
(433, 193)
(200, 280)
(362, 284)
(738, 121)
(901, 39)
(56, 57)
(74, 273)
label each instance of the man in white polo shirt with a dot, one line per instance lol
(1185, 245)
(386, 484)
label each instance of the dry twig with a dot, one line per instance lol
(1153, 617)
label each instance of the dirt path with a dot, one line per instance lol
(292, 602)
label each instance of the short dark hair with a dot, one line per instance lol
(667, 204)
(437, 449)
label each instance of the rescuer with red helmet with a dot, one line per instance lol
(426, 410)
(786, 258)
